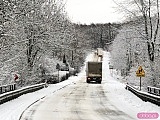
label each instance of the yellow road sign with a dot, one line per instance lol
(140, 72)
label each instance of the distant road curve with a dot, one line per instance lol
(79, 101)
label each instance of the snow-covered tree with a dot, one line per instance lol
(146, 13)
(32, 33)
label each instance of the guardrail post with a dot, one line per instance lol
(14, 86)
(148, 89)
(154, 90)
(10, 87)
(1, 90)
(5, 89)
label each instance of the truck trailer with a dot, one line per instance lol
(94, 72)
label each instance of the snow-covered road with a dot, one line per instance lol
(80, 100)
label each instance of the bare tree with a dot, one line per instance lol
(146, 11)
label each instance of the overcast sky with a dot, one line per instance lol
(93, 11)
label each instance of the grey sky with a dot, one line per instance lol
(93, 11)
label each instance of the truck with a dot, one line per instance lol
(94, 72)
(100, 52)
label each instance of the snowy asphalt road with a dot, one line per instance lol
(79, 101)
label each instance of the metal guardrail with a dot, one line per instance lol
(9, 92)
(16, 93)
(153, 90)
(144, 95)
(7, 88)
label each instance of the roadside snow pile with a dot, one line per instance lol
(122, 98)
(12, 110)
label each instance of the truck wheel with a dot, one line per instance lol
(99, 82)
(88, 81)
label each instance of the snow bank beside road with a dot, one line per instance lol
(12, 110)
(122, 98)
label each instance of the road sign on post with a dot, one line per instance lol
(140, 73)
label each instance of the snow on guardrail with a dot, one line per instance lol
(7, 88)
(9, 92)
(153, 90)
(16, 93)
(144, 95)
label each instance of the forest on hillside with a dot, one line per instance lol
(36, 34)
(99, 35)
